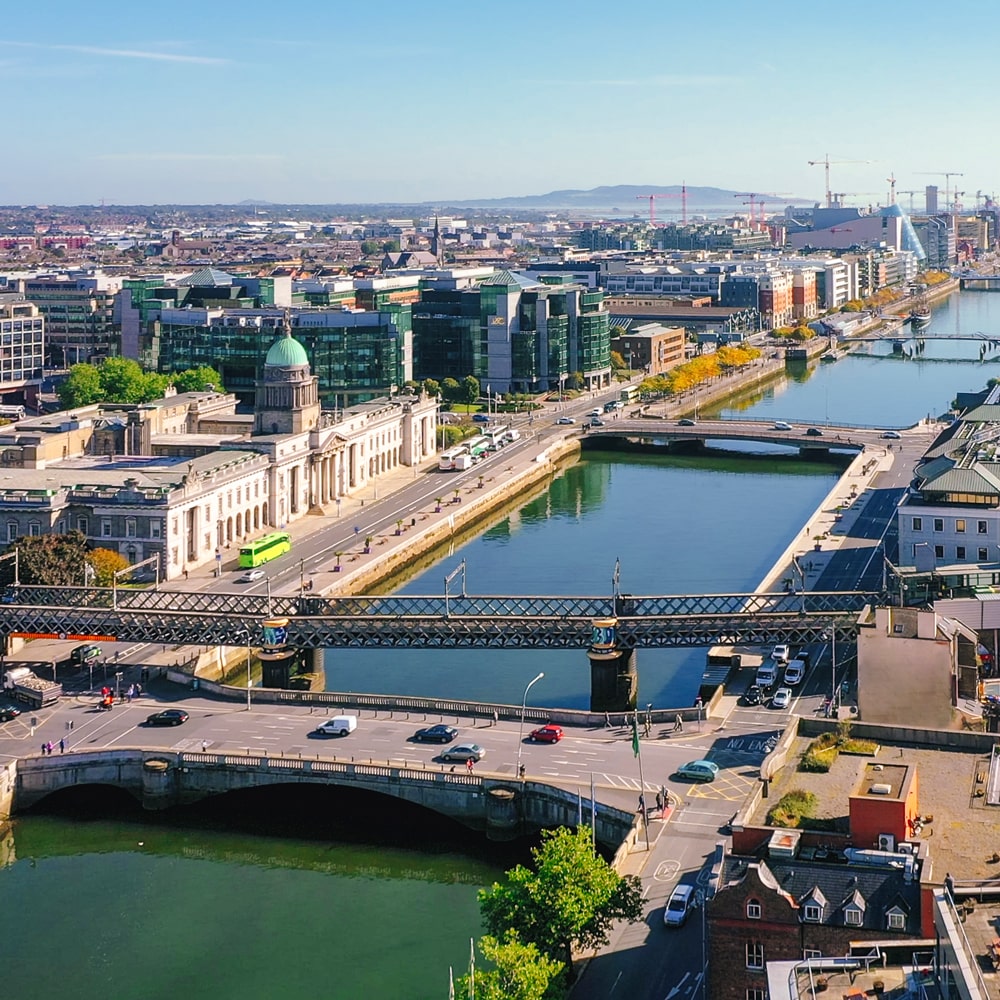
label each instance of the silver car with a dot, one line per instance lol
(463, 752)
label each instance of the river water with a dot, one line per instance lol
(212, 904)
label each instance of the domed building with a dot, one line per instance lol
(287, 399)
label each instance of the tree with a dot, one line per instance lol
(369, 247)
(52, 560)
(470, 389)
(431, 387)
(105, 563)
(81, 387)
(572, 898)
(451, 390)
(520, 972)
(617, 361)
(574, 380)
(197, 379)
(123, 381)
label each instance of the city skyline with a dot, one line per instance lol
(396, 104)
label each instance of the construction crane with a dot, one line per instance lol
(757, 198)
(947, 175)
(956, 205)
(911, 194)
(825, 162)
(839, 196)
(891, 179)
(669, 194)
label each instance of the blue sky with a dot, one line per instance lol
(334, 101)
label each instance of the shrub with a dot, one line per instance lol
(792, 808)
(818, 761)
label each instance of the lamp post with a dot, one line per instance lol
(520, 732)
(833, 664)
(246, 632)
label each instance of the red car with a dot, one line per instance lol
(547, 734)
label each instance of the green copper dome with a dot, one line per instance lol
(286, 352)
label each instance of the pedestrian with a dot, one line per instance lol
(607, 720)
(48, 747)
(204, 746)
(659, 802)
(665, 794)
(43, 749)
(520, 770)
(62, 746)
(678, 724)
(185, 574)
(642, 804)
(469, 764)
(496, 717)
(138, 690)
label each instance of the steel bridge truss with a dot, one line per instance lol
(476, 622)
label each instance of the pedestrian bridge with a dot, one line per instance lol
(494, 622)
(501, 808)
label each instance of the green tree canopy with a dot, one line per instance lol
(470, 389)
(81, 387)
(617, 361)
(52, 560)
(572, 897)
(197, 379)
(574, 380)
(451, 390)
(431, 387)
(519, 972)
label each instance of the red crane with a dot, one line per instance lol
(754, 196)
(669, 194)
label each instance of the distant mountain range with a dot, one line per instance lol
(621, 199)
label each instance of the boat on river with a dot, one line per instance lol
(920, 314)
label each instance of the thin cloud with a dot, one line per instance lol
(93, 50)
(188, 157)
(647, 81)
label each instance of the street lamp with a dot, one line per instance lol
(833, 663)
(520, 732)
(246, 632)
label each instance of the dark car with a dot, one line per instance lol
(436, 734)
(753, 695)
(685, 422)
(8, 712)
(546, 734)
(480, 418)
(168, 717)
(814, 432)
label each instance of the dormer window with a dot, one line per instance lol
(812, 912)
(895, 919)
(853, 916)
(753, 910)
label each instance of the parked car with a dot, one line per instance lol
(780, 653)
(679, 906)
(781, 698)
(781, 425)
(894, 435)
(8, 712)
(251, 576)
(546, 734)
(814, 432)
(464, 752)
(480, 418)
(753, 695)
(436, 734)
(168, 717)
(685, 422)
(698, 770)
(566, 420)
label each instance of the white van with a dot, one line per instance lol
(794, 672)
(339, 725)
(767, 674)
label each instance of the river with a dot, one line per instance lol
(210, 905)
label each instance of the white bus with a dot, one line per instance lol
(11, 413)
(448, 461)
(497, 437)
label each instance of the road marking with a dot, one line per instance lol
(666, 871)
(677, 988)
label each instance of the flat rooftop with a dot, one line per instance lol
(886, 780)
(961, 831)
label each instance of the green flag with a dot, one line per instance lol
(635, 736)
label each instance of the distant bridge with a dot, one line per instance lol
(484, 622)
(925, 334)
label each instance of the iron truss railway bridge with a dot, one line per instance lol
(475, 622)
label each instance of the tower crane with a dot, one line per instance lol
(911, 194)
(956, 205)
(825, 162)
(839, 196)
(892, 187)
(757, 198)
(668, 194)
(947, 175)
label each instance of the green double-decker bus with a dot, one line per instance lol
(264, 549)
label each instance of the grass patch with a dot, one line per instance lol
(793, 807)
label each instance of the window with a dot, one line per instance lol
(808, 953)
(155, 529)
(981, 527)
(853, 916)
(895, 920)
(130, 527)
(960, 525)
(755, 955)
(755, 994)
(939, 552)
(960, 552)
(983, 555)
(813, 912)
(939, 524)
(82, 526)
(918, 524)
(105, 527)
(11, 530)
(753, 910)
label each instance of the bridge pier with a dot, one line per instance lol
(614, 680)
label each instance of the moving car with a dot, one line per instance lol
(679, 906)
(781, 425)
(894, 435)
(698, 770)
(794, 672)
(596, 422)
(566, 420)
(595, 412)
(685, 422)
(464, 752)
(781, 698)
(753, 695)
(339, 725)
(436, 734)
(251, 575)
(8, 712)
(780, 653)
(546, 734)
(480, 418)
(168, 717)
(814, 432)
